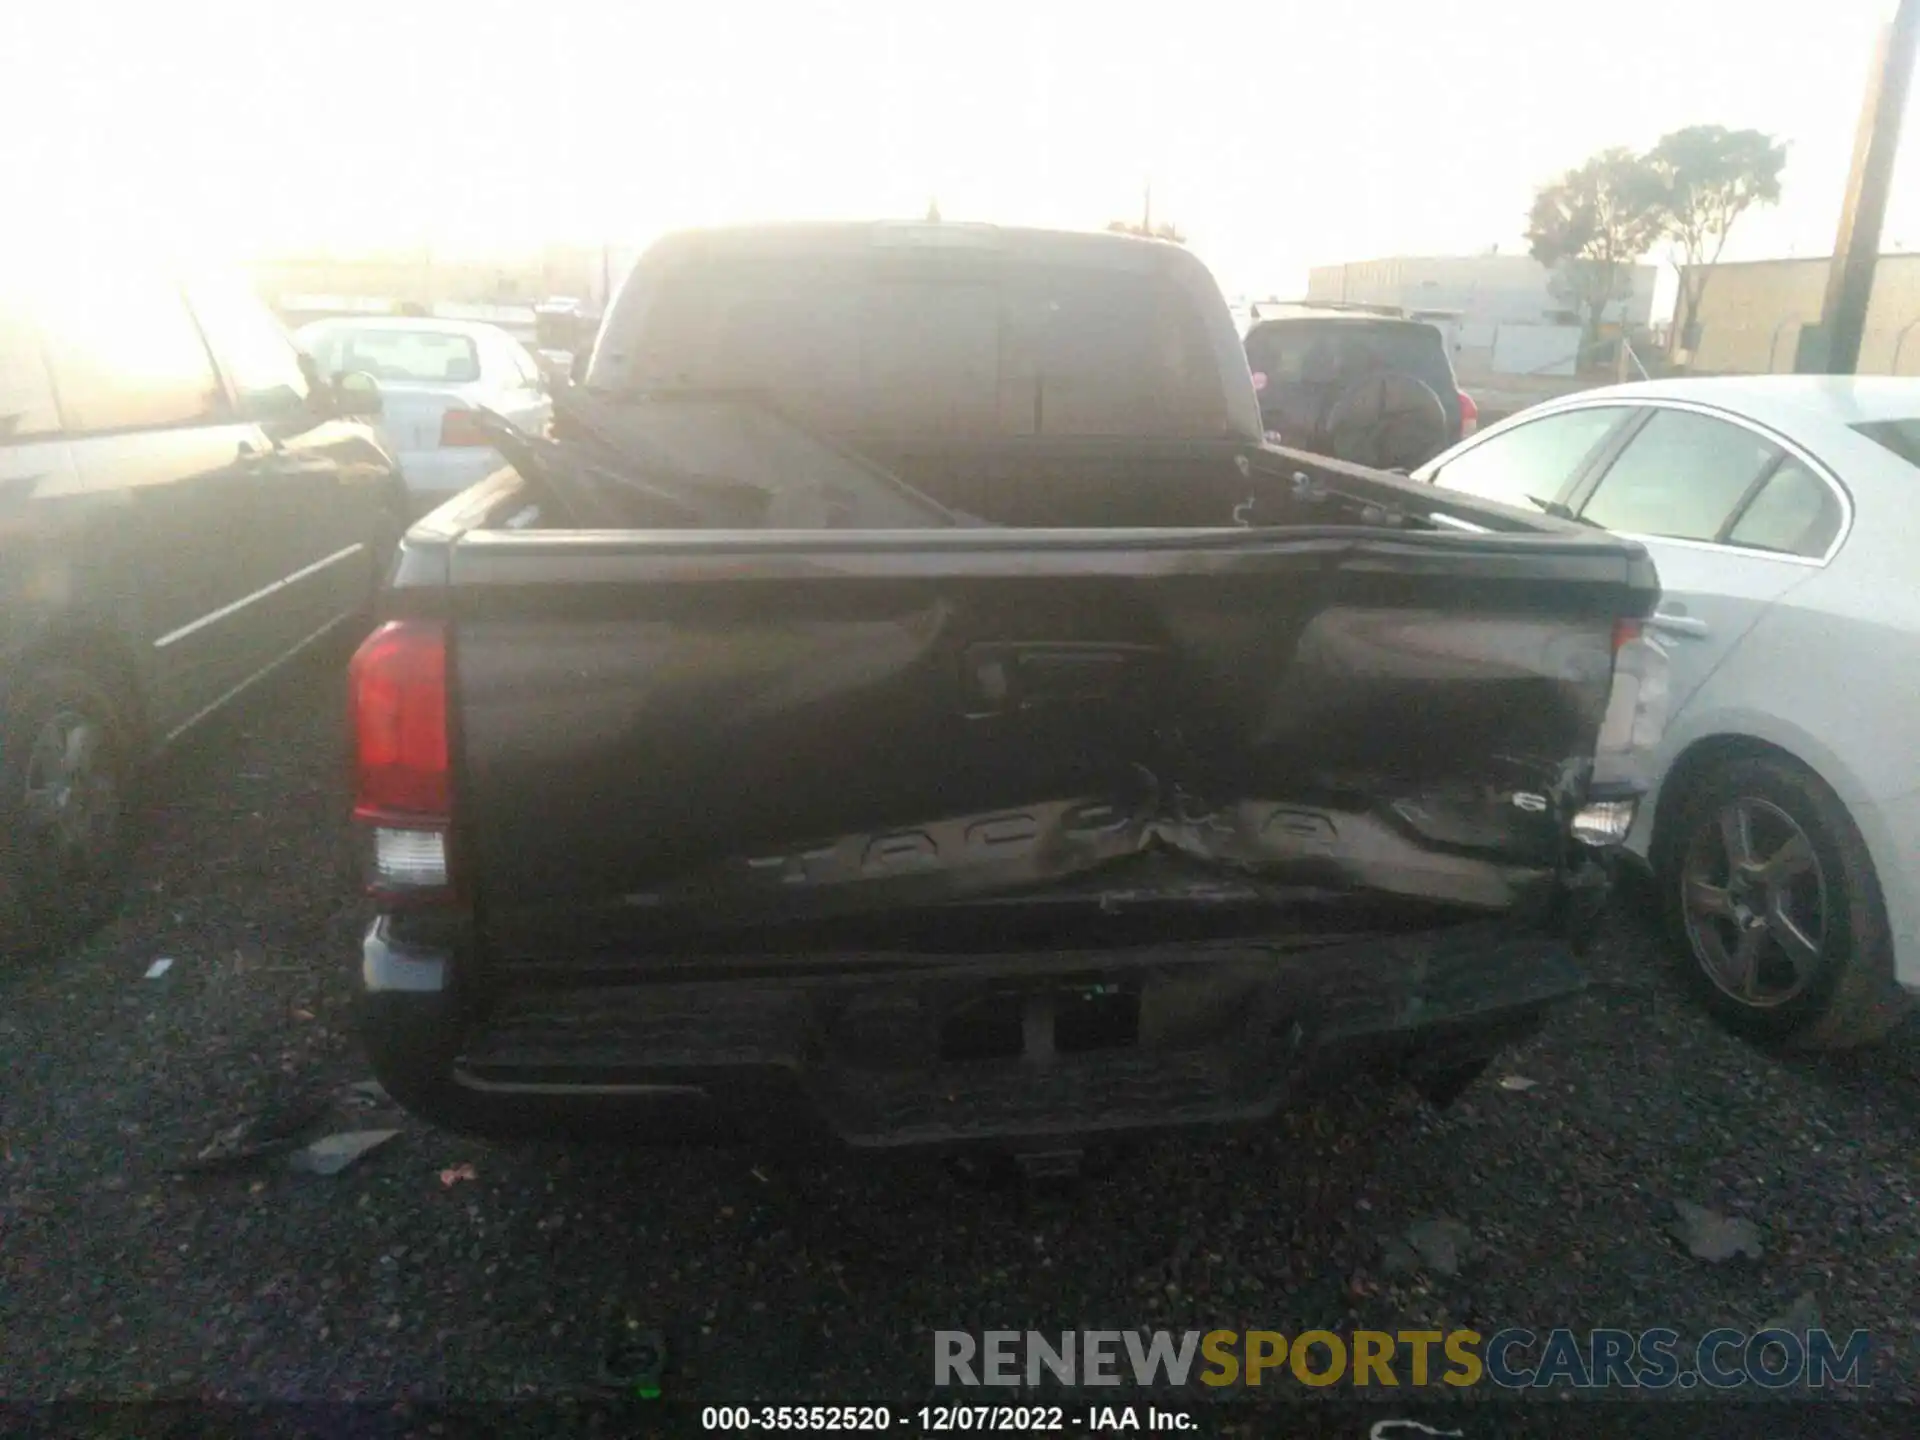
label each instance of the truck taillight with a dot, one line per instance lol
(1469, 415)
(402, 793)
(461, 427)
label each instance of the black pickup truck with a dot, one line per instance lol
(908, 703)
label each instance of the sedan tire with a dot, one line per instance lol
(1775, 910)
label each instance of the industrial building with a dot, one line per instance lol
(1753, 311)
(439, 277)
(1479, 289)
(1502, 322)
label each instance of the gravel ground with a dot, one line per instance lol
(821, 1280)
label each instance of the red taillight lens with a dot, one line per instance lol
(1469, 415)
(1625, 632)
(461, 427)
(397, 682)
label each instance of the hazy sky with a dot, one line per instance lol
(1277, 134)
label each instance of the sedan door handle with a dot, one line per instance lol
(1684, 626)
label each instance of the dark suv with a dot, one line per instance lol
(1359, 383)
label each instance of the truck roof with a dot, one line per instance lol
(832, 237)
(1344, 314)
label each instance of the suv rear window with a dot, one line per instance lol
(1902, 437)
(1327, 352)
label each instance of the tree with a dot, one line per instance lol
(1708, 176)
(1590, 226)
(1165, 230)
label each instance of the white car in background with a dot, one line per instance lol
(1783, 513)
(434, 375)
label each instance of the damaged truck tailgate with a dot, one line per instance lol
(911, 830)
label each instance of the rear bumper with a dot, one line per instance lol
(1007, 1050)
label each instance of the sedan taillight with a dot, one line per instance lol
(1630, 736)
(461, 427)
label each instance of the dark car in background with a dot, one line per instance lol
(1357, 382)
(183, 506)
(563, 329)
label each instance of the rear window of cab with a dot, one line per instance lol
(940, 344)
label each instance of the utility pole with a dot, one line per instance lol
(1833, 346)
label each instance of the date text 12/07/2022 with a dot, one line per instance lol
(948, 1419)
(940, 1419)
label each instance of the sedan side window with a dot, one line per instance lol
(1680, 478)
(495, 353)
(526, 367)
(258, 355)
(126, 356)
(1531, 465)
(517, 368)
(1795, 513)
(324, 344)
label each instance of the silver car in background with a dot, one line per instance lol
(434, 376)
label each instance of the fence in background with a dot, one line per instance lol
(1769, 349)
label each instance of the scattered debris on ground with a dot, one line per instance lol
(366, 1092)
(273, 1130)
(1435, 1243)
(635, 1361)
(331, 1154)
(1709, 1235)
(1798, 1318)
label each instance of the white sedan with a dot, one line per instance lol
(1783, 513)
(434, 375)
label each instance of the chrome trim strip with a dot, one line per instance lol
(262, 673)
(216, 616)
(1710, 548)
